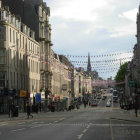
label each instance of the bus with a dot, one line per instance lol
(115, 93)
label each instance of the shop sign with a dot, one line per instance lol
(23, 93)
(38, 97)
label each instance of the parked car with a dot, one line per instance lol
(108, 104)
(94, 103)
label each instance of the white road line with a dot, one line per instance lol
(99, 102)
(35, 126)
(84, 131)
(55, 121)
(4, 124)
(80, 136)
(61, 119)
(17, 130)
(22, 123)
(88, 126)
(34, 122)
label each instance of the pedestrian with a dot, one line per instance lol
(69, 109)
(136, 106)
(28, 111)
(85, 103)
(11, 109)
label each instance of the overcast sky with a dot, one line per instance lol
(97, 26)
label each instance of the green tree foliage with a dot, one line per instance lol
(120, 77)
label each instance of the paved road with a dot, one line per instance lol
(83, 124)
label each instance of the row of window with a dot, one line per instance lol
(20, 60)
(6, 16)
(19, 81)
(22, 42)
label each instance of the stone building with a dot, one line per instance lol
(35, 14)
(132, 77)
(19, 59)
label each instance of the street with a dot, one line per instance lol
(85, 124)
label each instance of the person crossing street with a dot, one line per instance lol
(28, 110)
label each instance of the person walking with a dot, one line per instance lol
(28, 111)
(85, 103)
(136, 106)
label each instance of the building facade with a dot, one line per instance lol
(35, 14)
(19, 58)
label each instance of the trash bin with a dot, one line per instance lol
(15, 113)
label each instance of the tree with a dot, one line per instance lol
(120, 77)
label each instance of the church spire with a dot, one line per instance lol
(89, 65)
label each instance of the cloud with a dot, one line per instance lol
(95, 26)
(131, 14)
(78, 9)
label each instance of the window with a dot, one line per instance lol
(20, 42)
(17, 81)
(11, 78)
(13, 37)
(2, 33)
(10, 34)
(2, 57)
(2, 79)
(14, 79)
(23, 42)
(16, 38)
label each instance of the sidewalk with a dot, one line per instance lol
(22, 116)
(128, 116)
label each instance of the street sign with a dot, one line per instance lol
(23, 93)
(38, 97)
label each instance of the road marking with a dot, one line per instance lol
(111, 129)
(61, 119)
(34, 122)
(99, 102)
(88, 126)
(129, 132)
(85, 130)
(18, 129)
(55, 121)
(22, 123)
(35, 126)
(4, 124)
(80, 136)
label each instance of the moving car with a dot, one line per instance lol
(99, 96)
(94, 103)
(104, 97)
(108, 104)
(115, 98)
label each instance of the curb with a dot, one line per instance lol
(125, 120)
